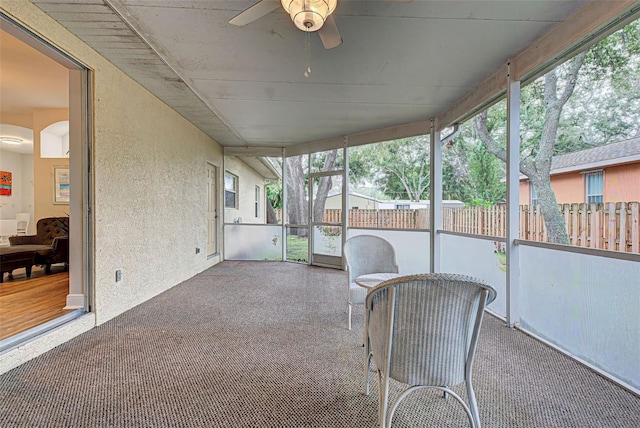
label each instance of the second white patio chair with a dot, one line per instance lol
(365, 254)
(22, 220)
(422, 331)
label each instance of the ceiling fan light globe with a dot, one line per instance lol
(332, 5)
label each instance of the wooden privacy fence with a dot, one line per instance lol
(609, 226)
(382, 219)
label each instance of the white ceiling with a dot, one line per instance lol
(399, 63)
(16, 132)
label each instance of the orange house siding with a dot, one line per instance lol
(621, 184)
(569, 187)
(525, 196)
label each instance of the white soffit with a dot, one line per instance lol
(400, 63)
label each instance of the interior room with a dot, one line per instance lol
(34, 153)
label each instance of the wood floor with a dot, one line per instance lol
(28, 302)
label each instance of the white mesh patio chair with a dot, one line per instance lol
(422, 330)
(365, 254)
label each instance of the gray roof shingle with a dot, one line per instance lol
(607, 152)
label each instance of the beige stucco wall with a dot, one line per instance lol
(149, 177)
(248, 179)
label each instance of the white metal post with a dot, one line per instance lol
(513, 198)
(310, 229)
(435, 205)
(284, 204)
(345, 196)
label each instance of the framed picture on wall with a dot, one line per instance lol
(5, 183)
(61, 185)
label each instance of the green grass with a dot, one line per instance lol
(297, 248)
(502, 261)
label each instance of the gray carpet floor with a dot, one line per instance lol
(265, 344)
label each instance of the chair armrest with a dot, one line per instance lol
(60, 246)
(23, 240)
(60, 243)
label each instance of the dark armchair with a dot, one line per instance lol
(52, 232)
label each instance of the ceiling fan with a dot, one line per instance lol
(307, 15)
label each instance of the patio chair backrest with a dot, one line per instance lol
(433, 333)
(422, 330)
(369, 254)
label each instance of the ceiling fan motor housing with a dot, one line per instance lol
(309, 15)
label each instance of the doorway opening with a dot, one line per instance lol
(44, 153)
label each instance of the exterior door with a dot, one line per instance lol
(212, 210)
(327, 178)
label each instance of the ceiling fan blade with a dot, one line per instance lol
(329, 34)
(255, 12)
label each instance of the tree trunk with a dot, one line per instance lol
(324, 185)
(271, 213)
(551, 213)
(538, 169)
(297, 208)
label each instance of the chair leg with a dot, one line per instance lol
(367, 369)
(383, 398)
(473, 405)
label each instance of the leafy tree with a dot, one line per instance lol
(296, 180)
(486, 172)
(297, 185)
(470, 172)
(606, 102)
(537, 151)
(274, 199)
(399, 167)
(274, 193)
(592, 99)
(456, 177)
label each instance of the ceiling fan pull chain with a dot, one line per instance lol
(307, 54)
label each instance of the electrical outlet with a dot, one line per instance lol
(197, 250)
(118, 275)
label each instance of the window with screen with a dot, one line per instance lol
(230, 190)
(594, 187)
(257, 203)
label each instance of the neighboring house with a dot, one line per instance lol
(356, 201)
(362, 202)
(607, 173)
(244, 188)
(401, 204)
